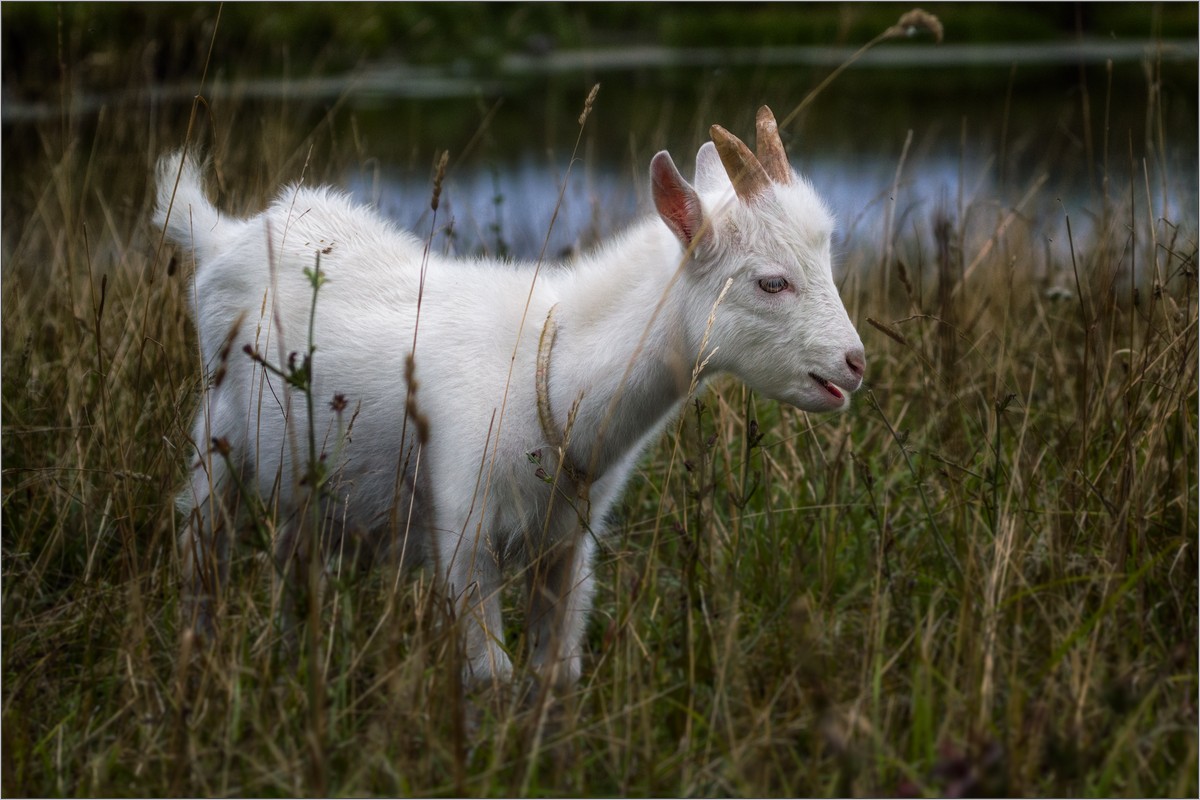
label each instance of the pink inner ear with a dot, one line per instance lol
(675, 199)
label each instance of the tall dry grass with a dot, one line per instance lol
(982, 579)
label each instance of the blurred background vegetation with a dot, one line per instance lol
(40, 40)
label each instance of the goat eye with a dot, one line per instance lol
(772, 285)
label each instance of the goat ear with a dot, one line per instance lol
(710, 172)
(676, 200)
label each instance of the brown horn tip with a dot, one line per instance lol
(748, 176)
(770, 147)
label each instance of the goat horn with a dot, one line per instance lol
(770, 148)
(744, 170)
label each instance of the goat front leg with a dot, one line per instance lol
(472, 579)
(560, 595)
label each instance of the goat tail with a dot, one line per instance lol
(183, 209)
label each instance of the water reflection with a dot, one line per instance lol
(508, 209)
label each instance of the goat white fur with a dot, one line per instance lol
(626, 328)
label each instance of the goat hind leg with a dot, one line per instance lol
(204, 544)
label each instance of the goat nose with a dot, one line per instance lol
(856, 360)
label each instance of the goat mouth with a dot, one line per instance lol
(834, 390)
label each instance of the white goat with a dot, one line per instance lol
(531, 394)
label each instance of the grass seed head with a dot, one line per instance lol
(587, 104)
(438, 177)
(913, 22)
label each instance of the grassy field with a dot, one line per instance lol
(982, 579)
